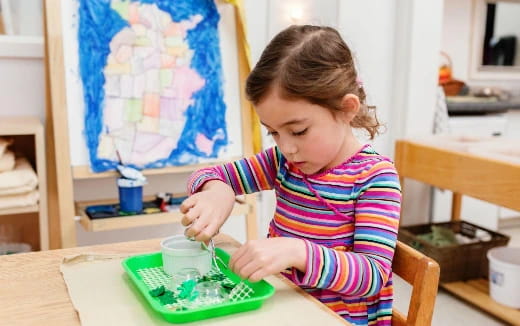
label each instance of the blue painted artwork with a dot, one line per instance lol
(152, 81)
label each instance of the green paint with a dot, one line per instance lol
(134, 110)
(121, 7)
(166, 76)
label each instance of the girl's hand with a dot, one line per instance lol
(257, 259)
(206, 211)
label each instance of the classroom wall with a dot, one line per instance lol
(380, 36)
(368, 28)
(456, 42)
(22, 90)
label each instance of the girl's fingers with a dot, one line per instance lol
(257, 276)
(238, 259)
(204, 228)
(234, 257)
(187, 204)
(194, 228)
(191, 215)
(186, 220)
(249, 268)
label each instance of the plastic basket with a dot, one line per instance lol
(261, 290)
(458, 262)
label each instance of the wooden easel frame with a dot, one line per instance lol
(59, 170)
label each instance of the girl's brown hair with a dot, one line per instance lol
(311, 63)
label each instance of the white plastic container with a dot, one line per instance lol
(179, 253)
(504, 275)
(14, 248)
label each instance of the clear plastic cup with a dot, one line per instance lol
(183, 275)
(179, 253)
(210, 293)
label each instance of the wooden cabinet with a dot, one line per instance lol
(28, 136)
(491, 180)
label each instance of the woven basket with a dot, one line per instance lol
(458, 262)
(451, 86)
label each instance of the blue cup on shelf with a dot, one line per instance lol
(130, 195)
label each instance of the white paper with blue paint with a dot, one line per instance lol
(118, 101)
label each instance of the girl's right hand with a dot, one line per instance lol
(206, 211)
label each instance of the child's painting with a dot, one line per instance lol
(152, 82)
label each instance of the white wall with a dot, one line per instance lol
(368, 28)
(456, 37)
(417, 44)
(507, 23)
(456, 42)
(22, 89)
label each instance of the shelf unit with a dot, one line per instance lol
(494, 181)
(29, 138)
(20, 210)
(124, 222)
(20, 46)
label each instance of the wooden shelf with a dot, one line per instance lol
(20, 210)
(27, 132)
(23, 125)
(21, 46)
(84, 172)
(477, 293)
(494, 180)
(125, 222)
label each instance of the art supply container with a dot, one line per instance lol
(504, 275)
(130, 195)
(179, 253)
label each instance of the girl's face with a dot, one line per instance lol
(310, 136)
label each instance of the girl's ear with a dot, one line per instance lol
(350, 107)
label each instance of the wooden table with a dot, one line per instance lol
(488, 176)
(33, 292)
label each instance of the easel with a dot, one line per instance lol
(61, 175)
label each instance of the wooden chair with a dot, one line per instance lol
(422, 273)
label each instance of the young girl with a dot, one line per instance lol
(338, 201)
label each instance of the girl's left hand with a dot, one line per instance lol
(257, 259)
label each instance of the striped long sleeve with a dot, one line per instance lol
(245, 176)
(366, 269)
(348, 217)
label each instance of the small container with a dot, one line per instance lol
(179, 253)
(130, 195)
(458, 262)
(186, 274)
(504, 275)
(210, 293)
(14, 248)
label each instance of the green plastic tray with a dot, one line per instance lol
(262, 290)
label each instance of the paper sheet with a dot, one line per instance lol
(102, 294)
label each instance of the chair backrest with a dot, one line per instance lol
(422, 273)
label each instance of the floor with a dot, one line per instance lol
(448, 309)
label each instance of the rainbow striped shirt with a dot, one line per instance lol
(348, 217)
